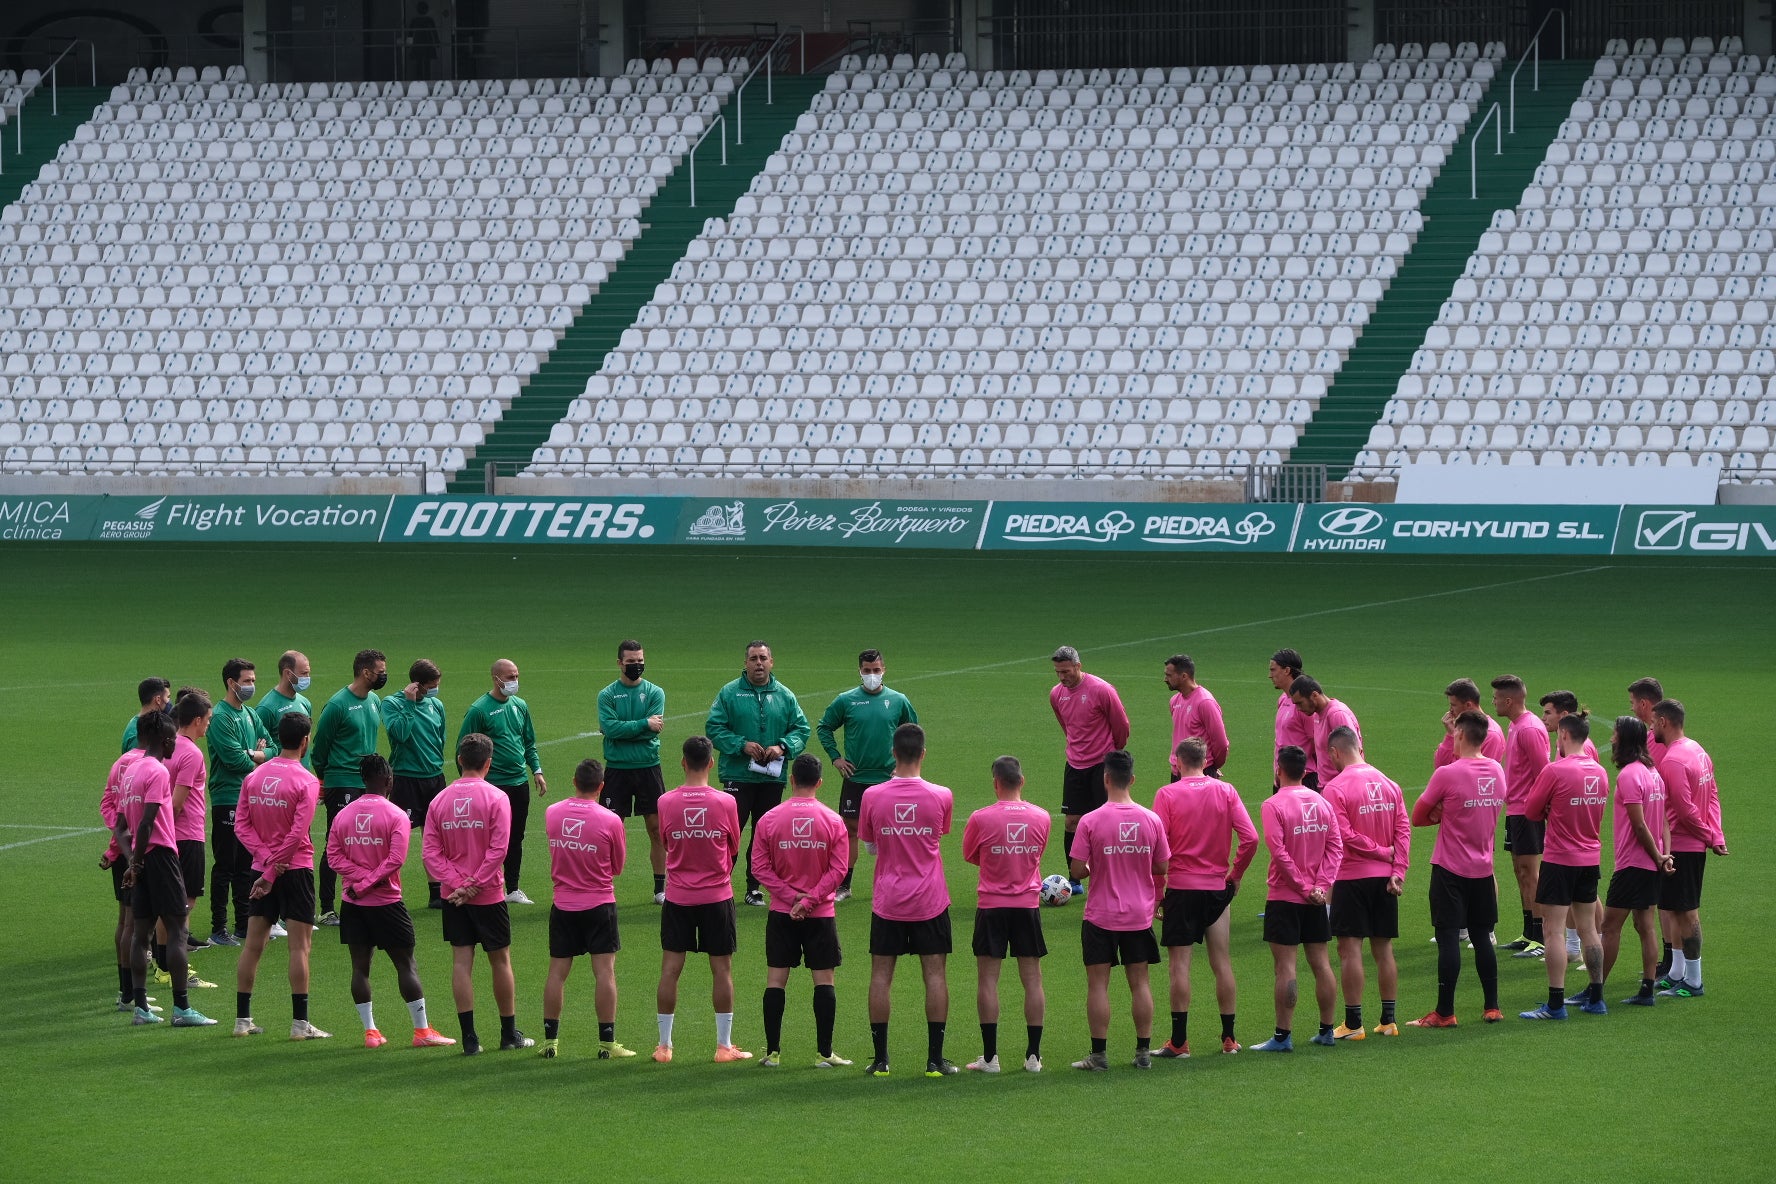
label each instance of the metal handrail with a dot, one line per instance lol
(770, 98)
(55, 107)
(1473, 159)
(692, 154)
(1535, 47)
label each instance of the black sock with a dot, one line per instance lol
(508, 1028)
(879, 1038)
(1535, 932)
(433, 891)
(243, 1005)
(1067, 851)
(1594, 993)
(1353, 1018)
(126, 983)
(1325, 1029)
(934, 1038)
(1281, 1034)
(1227, 1025)
(846, 882)
(181, 1000)
(1033, 1040)
(608, 1032)
(299, 1007)
(1665, 961)
(659, 883)
(1646, 988)
(467, 1020)
(1449, 963)
(1556, 998)
(826, 1011)
(1143, 1042)
(1387, 1011)
(1486, 965)
(1180, 1028)
(1528, 923)
(774, 1000)
(1100, 1045)
(551, 1028)
(989, 1041)
(160, 955)
(141, 994)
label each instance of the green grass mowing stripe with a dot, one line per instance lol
(1590, 626)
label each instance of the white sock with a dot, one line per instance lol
(364, 1014)
(1693, 971)
(416, 1009)
(1677, 965)
(665, 1022)
(724, 1028)
(1572, 941)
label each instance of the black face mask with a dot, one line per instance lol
(380, 681)
(632, 670)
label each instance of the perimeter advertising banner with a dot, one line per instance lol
(1457, 530)
(832, 522)
(173, 517)
(532, 520)
(1706, 530)
(1109, 526)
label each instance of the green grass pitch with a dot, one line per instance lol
(1682, 1091)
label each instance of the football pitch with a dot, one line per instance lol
(1680, 1091)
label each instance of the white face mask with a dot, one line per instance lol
(302, 683)
(871, 682)
(509, 688)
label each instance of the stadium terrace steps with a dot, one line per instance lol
(669, 226)
(1454, 223)
(44, 135)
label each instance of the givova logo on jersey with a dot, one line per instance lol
(1016, 841)
(571, 837)
(1487, 788)
(266, 795)
(1311, 823)
(695, 825)
(1380, 801)
(1129, 841)
(1592, 793)
(801, 837)
(906, 821)
(361, 835)
(460, 817)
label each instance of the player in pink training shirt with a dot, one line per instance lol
(366, 846)
(468, 828)
(145, 826)
(1571, 794)
(902, 823)
(186, 770)
(1123, 846)
(1643, 695)
(1638, 826)
(587, 846)
(1306, 846)
(1327, 713)
(1092, 719)
(1526, 755)
(272, 820)
(1692, 803)
(1006, 841)
(1203, 816)
(1377, 835)
(116, 862)
(800, 852)
(1194, 713)
(700, 828)
(1463, 801)
(1292, 727)
(1463, 695)
(1556, 704)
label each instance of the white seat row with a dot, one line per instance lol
(799, 462)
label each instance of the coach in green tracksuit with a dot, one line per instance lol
(238, 744)
(758, 727)
(868, 714)
(345, 734)
(504, 718)
(631, 716)
(156, 694)
(293, 679)
(414, 721)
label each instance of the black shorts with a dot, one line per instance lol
(633, 791)
(1002, 931)
(414, 795)
(1458, 902)
(1290, 923)
(1681, 892)
(1524, 835)
(385, 926)
(699, 928)
(850, 799)
(486, 925)
(194, 865)
(123, 895)
(1189, 912)
(1562, 883)
(1365, 908)
(1117, 947)
(292, 897)
(1634, 888)
(1082, 790)
(160, 888)
(790, 943)
(573, 932)
(891, 939)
